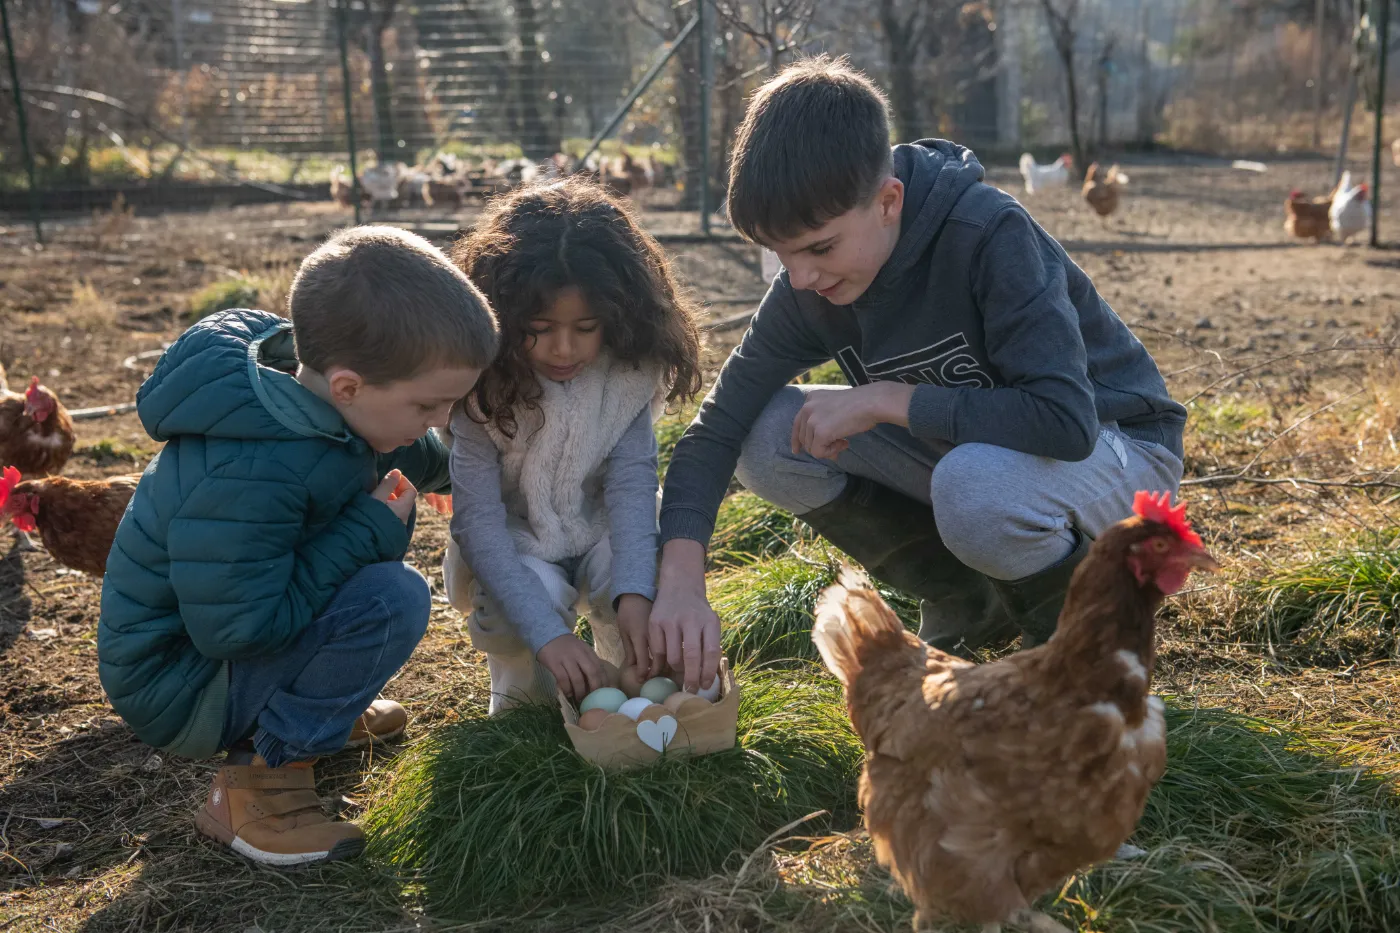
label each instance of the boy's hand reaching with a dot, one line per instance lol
(575, 666)
(395, 491)
(633, 615)
(683, 632)
(830, 416)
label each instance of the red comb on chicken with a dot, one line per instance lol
(76, 518)
(987, 785)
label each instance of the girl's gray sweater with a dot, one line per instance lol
(627, 482)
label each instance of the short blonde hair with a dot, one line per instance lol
(389, 305)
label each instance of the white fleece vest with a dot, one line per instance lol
(552, 470)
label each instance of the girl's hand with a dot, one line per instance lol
(575, 666)
(633, 614)
(441, 503)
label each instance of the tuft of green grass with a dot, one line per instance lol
(1225, 416)
(1345, 604)
(1254, 827)
(765, 608)
(223, 295)
(109, 451)
(669, 428)
(501, 813)
(749, 529)
(827, 374)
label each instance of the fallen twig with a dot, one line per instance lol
(1288, 481)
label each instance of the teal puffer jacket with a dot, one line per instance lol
(255, 512)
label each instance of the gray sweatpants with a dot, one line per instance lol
(1003, 513)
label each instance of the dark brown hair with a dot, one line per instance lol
(389, 305)
(814, 143)
(536, 240)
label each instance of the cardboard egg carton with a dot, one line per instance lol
(696, 728)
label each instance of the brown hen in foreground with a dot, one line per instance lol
(986, 785)
(36, 434)
(76, 518)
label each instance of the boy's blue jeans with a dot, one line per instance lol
(303, 702)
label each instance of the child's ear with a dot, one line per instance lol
(890, 197)
(345, 385)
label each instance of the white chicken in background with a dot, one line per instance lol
(1351, 209)
(381, 182)
(1039, 177)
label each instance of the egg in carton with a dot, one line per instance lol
(683, 725)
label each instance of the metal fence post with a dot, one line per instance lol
(707, 80)
(23, 127)
(341, 16)
(1384, 27)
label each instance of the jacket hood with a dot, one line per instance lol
(935, 173)
(232, 376)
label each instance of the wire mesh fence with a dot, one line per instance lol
(246, 99)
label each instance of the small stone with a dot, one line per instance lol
(1310, 323)
(1167, 281)
(1204, 324)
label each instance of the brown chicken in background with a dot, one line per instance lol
(985, 786)
(76, 518)
(36, 434)
(1101, 188)
(1307, 218)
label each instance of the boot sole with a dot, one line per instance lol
(344, 849)
(372, 739)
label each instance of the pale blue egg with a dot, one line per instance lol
(608, 698)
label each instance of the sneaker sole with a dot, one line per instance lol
(372, 739)
(344, 849)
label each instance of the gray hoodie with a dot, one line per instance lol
(1004, 338)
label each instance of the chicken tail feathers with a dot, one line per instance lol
(852, 619)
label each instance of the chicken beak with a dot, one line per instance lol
(1200, 559)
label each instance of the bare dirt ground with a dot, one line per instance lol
(95, 830)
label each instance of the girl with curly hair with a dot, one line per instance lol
(554, 458)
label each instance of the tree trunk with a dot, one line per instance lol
(731, 109)
(537, 141)
(386, 146)
(901, 48)
(1072, 89)
(688, 109)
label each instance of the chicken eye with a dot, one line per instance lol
(1159, 545)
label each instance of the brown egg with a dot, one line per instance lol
(653, 712)
(592, 719)
(674, 701)
(630, 682)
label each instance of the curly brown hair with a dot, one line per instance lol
(534, 241)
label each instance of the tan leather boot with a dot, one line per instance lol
(384, 721)
(273, 816)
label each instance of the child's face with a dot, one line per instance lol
(565, 338)
(839, 259)
(396, 414)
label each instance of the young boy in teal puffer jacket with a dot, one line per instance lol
(256, 597)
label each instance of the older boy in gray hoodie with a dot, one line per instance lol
(999, 414)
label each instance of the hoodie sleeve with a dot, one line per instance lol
(246, 582)
(1033, 338)
(777, 347)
